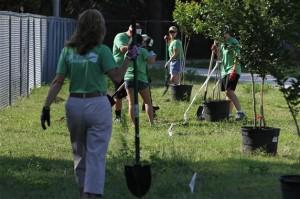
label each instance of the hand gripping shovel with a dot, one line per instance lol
(138, 176)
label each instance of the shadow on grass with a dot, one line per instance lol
(38, 178)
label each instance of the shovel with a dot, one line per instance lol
(138, 176)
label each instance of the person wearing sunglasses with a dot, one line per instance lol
(120, 47)
(176, 55)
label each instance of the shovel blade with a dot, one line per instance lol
(138, 179)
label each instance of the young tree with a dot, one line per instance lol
(261, 26)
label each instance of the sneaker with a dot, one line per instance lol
(239, 116)
(117, 119)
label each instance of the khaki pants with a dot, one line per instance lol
(90, 124)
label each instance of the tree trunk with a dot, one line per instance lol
(294, 116)
(262, 121)
(254, 101)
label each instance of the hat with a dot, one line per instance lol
(173, 28)
(227, 30)
(137, 26)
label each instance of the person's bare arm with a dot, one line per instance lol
(55, 87)
(174, 55)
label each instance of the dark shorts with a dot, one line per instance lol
(175, 67)
(227, 84)
(141, 85)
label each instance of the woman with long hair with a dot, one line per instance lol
(85, 61)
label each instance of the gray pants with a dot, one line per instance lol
(90, 124)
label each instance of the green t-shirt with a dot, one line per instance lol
(86, 72)
(120, 40)
(176, 44)
(142, 63)
(230, 52)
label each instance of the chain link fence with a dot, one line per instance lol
(29, 49)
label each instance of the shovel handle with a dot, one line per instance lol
(209, 70)
(136, 103)
(118, 90)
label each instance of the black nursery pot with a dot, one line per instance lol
(216, 110)
(264, 139)
(181, 92)
(290, 186)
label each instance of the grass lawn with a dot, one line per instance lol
(37, 164)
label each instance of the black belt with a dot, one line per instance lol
(87, 95)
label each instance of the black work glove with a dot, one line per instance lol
(45, 117)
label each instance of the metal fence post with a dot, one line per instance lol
(34, 64)
(9, 61)
(21, 57)
(28, 40)
(41, 50)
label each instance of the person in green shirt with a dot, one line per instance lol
(176, 55)
(120, 47)
(86, 62)
(143, 59)
(229, 53)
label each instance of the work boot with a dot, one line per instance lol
(117, 119)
